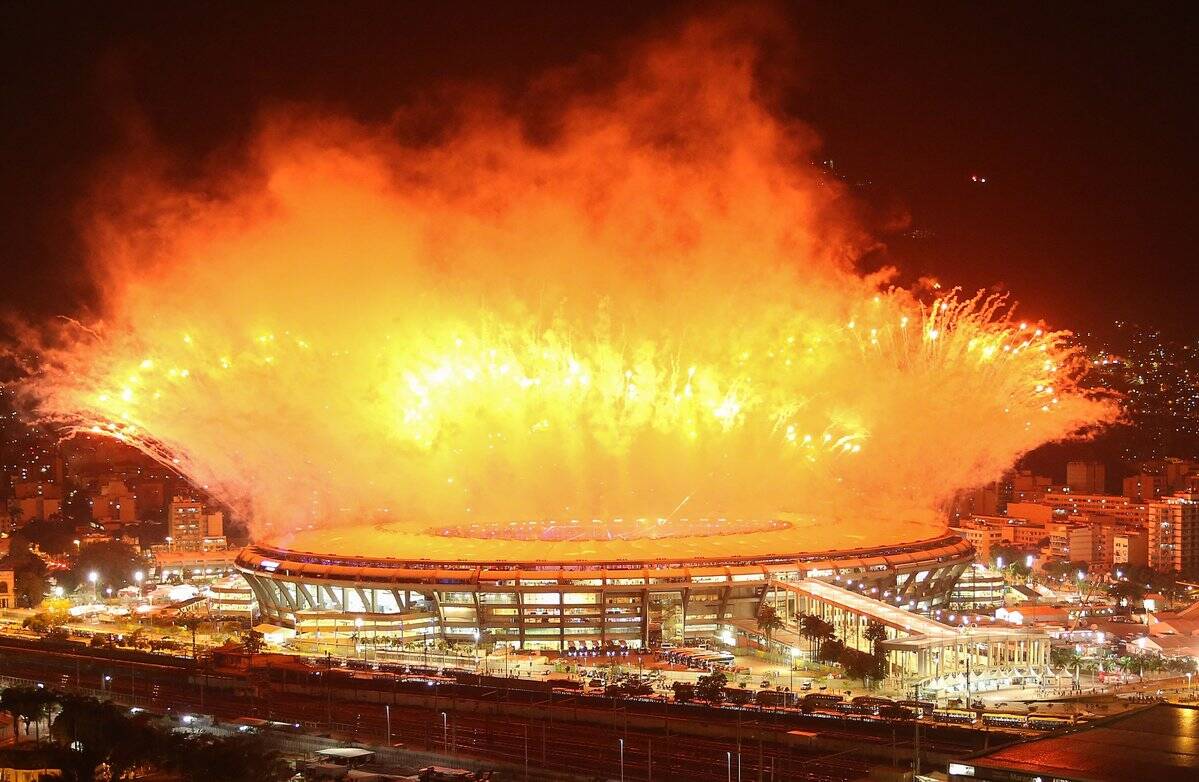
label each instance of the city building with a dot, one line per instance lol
(985, 532)
(114, 505)
(232, 598)
(1108, 544)
(1034, 512)
(1113, 505)
(191, 527)
(984, 500)
(8, 589)
(978, 588)
(1174, 533)
(980, 535)
(193, 565)
(1086, 477)
(1025, 486)
(34, 500)
(1144, 487)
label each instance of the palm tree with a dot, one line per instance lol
(769, 621)
(191, 623)
(809, 627)
(827, 631)
(15, 700)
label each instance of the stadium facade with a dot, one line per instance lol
(580, 599)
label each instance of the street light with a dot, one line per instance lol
(445, 732)
(729, 757)
(94, 577)
(621, 759)
(794, 655)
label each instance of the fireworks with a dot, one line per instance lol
(652, 313)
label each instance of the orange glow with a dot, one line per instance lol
(649, 309)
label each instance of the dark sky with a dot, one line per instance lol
(1081, 116)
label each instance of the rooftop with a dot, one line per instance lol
(893, 615)
(1158, 743)
(609, 539)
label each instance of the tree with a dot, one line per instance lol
(1064, 571)
(113, 562)
(830, 649)
(29, 573)
(875, 632)
(684, 692)
(711, 687)
(810, 628)
(192, 623)
(103, 733)
(238, 758)
(1064, 657)
(769, 621)
(15, 701)
(252, 641)
(1011, 560)
(50, 536)
(1128, 592)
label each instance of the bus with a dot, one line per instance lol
(821, 700)
(869, 704)
(1048, 722)
(1005, 719)
(701, 658)
(959, 716)
(920, 708)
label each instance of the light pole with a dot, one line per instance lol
(94, 577)
(621, 759)
(1189, 674)
(729, 758)
(445, 732)
(387, 709)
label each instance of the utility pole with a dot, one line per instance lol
(916, 764)
(328, 689)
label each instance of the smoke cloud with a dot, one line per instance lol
(617, 299)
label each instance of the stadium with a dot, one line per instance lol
(582, 584)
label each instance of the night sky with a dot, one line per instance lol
(1082, 117)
